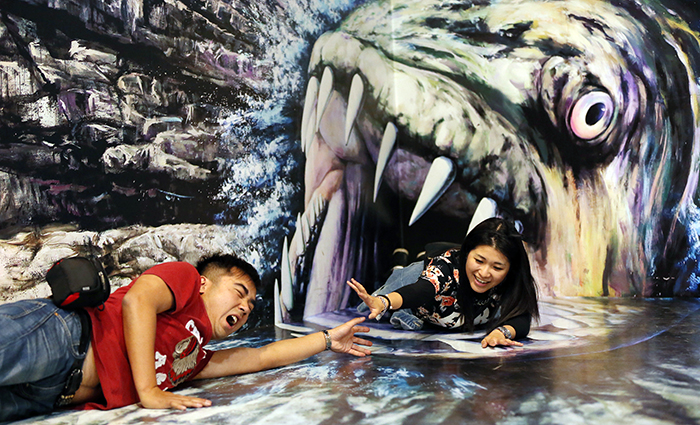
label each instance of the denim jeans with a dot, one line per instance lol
(39, 343)
(401, 277)
(398, 279)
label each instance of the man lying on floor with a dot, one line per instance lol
(168, 314)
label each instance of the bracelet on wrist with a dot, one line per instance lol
(385, 304)
(506, 333)
(388, 301)
(327, 337)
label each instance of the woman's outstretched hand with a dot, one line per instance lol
(376, 306)
(343, 339)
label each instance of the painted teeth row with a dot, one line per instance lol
(307, 225)
(442, 171)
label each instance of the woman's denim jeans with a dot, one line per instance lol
(39, 343)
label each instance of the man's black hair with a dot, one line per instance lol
(226, 262)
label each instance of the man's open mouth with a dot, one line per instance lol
(231, 320)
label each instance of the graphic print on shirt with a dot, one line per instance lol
(190, 326)
(160, 361)
(175, 368)
(444, 276)
(482, 318)
(184, 360)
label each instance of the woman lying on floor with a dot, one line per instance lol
(498, 293)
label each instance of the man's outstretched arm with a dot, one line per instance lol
(236, 361)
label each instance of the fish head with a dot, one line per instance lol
(577, 118)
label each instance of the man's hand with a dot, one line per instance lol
(155, 398)
(344, 340)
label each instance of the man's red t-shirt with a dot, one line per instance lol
(181, 335)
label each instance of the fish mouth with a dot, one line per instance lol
(415, 112)
(374, 182)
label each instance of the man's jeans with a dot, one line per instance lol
(39, 343)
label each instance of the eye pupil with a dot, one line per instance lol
(591, 115)
(595, 113)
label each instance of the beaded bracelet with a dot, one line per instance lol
(387, 300)
(329, 341)
(506, 333)
(386, 307)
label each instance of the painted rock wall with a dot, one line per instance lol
(319, 122)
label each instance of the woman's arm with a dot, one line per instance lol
(409, 296)
(377, 306)
(236, 361)
(520, 325)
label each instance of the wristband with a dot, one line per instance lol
(388, 301)
(328, 339)
(384, 303)
(506, 333)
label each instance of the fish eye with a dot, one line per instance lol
(591, 115)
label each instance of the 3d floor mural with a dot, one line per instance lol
(314, 138)
(591, 361)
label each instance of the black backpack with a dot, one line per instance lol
(78, 282)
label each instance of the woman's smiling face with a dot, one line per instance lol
(486, 268)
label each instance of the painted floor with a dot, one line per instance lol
(589, 361)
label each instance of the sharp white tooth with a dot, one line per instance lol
(300, 237)
(312, 209)
(357, 91)
(286, 278)
(324, 94)
(277, 306)
(306, 229)
(309, 132)
(320, 205)
(387, 146)
(439, 178)
(487, 208)
(317, 206)
(300, 227)
(309, 103)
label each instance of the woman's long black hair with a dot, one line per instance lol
(518, 290)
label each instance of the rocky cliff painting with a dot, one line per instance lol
(315, 137)
(146, 131)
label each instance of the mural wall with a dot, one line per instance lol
(315, 137)
(576, 118)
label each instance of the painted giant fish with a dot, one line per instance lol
(578, 118)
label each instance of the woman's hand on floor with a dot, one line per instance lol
(496, 338)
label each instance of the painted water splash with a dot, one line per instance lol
(263, 181)
(692, 220)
